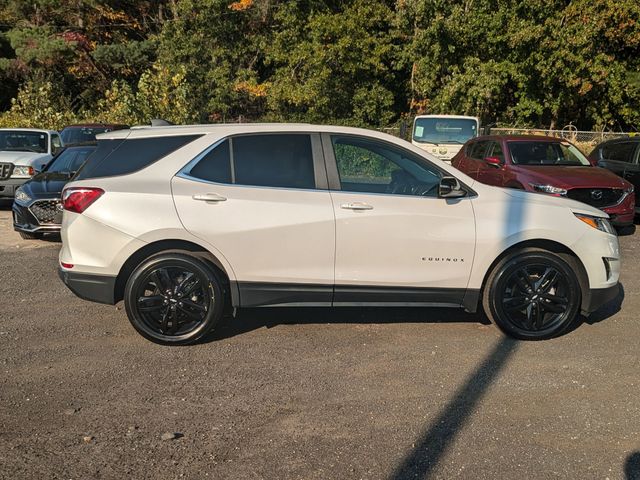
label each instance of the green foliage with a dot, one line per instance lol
(38, 105)
(357, 62)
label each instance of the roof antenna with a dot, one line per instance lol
(160, 122)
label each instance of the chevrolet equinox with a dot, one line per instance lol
(185, 223)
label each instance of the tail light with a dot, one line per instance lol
(78, 199)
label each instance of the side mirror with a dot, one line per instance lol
(593, 161)
(493, 161)
(450, 188)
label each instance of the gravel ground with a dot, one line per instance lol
(309, 394)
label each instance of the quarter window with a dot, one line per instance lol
(215, 165)
(619, 152)
(275, 160)
(375, 167)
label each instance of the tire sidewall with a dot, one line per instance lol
(180, 260)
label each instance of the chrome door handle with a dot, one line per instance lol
(356, 206)
(210, 197)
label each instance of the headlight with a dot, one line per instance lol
(22, 197)
(548, 189)
(599, 223)
(23, 172)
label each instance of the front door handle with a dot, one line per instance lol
(356, 206)
(210, 197)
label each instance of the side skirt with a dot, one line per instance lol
(264, 294)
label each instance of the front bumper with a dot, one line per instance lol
(95, 288)
(8, 187)
(597, 297)
(622, 215)
(25, 218)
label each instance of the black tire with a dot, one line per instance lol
(533, 294)
(183, 299)
(30, 236)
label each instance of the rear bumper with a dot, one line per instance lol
(597, 297)
(95, 288)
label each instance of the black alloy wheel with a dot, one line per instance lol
(533, 295)
(174, 299)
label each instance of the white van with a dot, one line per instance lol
(443, 135)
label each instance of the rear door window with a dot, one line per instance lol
(125, 156)
(271, 160)
(477, 150)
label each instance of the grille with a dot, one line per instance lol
(5, 170)
(597, 197)
(46, 211)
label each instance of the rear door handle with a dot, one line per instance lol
(356, 206)
(210, 197)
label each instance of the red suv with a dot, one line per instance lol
(547, 165)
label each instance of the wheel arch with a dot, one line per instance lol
(471, 302)
(159, 246)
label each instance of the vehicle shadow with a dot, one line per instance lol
(632, 467)
(250, 319)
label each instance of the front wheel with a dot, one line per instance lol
(174, 299)
(532, 294)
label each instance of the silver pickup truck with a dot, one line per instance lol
(23, 153)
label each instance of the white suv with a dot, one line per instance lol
(184, 223)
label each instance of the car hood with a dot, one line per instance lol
(46, 184)
(543, 200)
(23, 158)
(573, 177)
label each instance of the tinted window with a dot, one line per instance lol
(273, 161)
(121, 157)
(620, 152)
(376, 167)
(82, 134)
(215, 165)
(71, 159)
(477, 150)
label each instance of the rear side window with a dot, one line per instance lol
(619, 152)
(124, 156)
(275, 160)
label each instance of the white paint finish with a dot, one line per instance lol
(266, 234)
(280, 235)
(387, 244)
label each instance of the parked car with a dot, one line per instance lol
(86, 132)
(547, 165)
(443, 135)
(185, 222)
(37, 207)
(622, 157)
(24, 152)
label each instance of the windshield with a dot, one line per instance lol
(81, 134)
(444, 130)
(18, 141)
(546, 153)
(70, 160)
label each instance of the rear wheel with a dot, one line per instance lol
(30, 235)
(532, 294)
(174, 299)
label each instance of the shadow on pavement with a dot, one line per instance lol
(434, 442)
(632, 467)
(254, 318)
